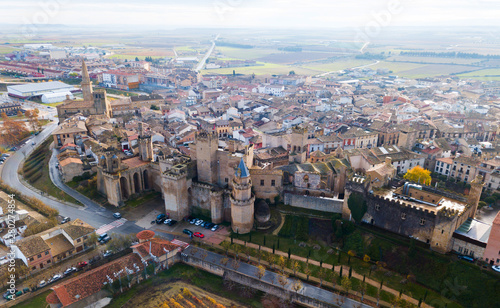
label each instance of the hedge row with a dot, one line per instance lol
(33, 203)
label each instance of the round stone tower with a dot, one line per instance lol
(242, 201)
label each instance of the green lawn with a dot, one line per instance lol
(443, 278)
(35, 302)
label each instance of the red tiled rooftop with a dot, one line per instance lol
(52, 299)
(145, 235)
(156, 245)
(91, 282)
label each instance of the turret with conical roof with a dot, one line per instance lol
(242, 200)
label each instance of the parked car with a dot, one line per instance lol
(69, 271)
(56, 277)
(5, 155)
(192, 221)
(199, 222)
(199, 234)
(214, 228)
(42, 283)
(102, 236)
(82, 264)
(160, 218)
(107, 253)
(167, 221)
(496, 268)
(188, 232)
(467, 258)
(7, 294)
(105, 240)
(117, 215)
(13, 149)
(172, 222)
(65, 220)
(209, 225)
(3, 158)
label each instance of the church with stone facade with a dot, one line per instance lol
(94, 102)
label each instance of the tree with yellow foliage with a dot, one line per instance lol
(419, 175)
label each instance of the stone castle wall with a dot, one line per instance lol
(324, 204)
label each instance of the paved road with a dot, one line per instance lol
(91, 213)
(271, 277)
(200, 65)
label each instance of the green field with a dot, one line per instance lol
(337, 65)
(244, 54)
(6, 49)
(264, 69)
(434, 60)
(485, 75)
(416, 70)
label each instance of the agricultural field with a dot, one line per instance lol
(337, 65)
(434, 60)
(485, 75)
(244, 54)
(282, 57)
(416, 70)
(263, 69)
(6, 49)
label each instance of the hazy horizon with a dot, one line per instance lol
(278, 14)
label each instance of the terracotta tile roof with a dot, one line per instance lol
(70, 160)
(52, 299)
(78, 228)
(91, 282)
(156, 245)
(145, 235)
(59, 244)
(32, 245)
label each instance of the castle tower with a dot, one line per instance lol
(145, 145)
(175, 188)
(206, 157)
(242, 201)
(476, 188)
(298, 145)
(86, 83)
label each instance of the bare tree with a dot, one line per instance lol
(283, 279)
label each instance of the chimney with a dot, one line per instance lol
(388, 161)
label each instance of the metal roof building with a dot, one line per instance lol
(37, 89)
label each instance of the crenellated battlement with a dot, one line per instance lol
(402, 205)
(249, 202)
(206, 136)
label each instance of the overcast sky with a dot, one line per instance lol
(253, 13)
